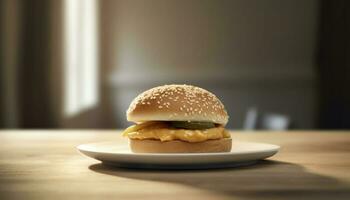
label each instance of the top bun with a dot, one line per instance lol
(177, 103)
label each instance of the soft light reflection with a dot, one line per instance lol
(81, 56)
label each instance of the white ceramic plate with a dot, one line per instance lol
(242, 153)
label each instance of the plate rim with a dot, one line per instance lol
(274, 148)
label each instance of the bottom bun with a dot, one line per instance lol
(178, 146)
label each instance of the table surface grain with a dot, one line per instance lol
(46, 165)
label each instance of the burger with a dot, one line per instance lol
(177, 119)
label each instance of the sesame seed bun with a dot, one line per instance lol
(177, 103)
(178, 146)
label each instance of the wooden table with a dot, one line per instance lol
(46, 165)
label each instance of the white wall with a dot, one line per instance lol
(250, 53)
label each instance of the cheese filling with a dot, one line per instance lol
(163, 132)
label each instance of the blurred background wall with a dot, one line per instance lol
(270, 61)
(250, 53)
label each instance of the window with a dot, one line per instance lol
(81, 56)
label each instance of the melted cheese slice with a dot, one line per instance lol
(164, 133)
